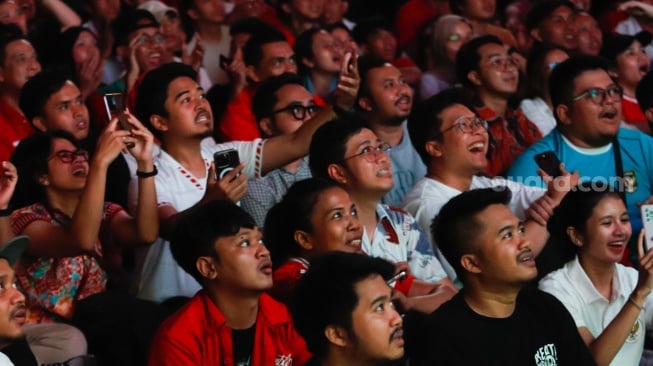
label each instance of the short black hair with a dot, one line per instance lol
(291, 214)
(153, 91)
(9, 33)
(365, 64)
(543, 10)
(249, 26)
(266, 93)
(37, 91)
(468, 58)
(130, 21)
(562, 80)
(365, 28)
(198, 228)
(326, 295)
(31, 161)
(424, 122)
(644, 92)
(456, 226)
(329, 143)
(303, 49)
(253, 49)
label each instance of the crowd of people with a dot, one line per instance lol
(325, 182)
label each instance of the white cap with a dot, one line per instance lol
(158, 9)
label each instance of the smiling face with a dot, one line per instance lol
(85, 47)
(12, 305)
(244, 262)
(497, 73)
(503, 255)
(460, 151)
(189, 113)
(20, 64)
(335, 224)
(632, 65)
(558, 29)
(590, 38)
(148, 49)
(377, 332)
(65, 110)
(607, 232)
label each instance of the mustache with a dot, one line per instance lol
(19, 308)
(397, 333)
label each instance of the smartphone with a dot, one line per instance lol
(114, 104)
(225, 161)
(398, 277)
(549, 162)
(647, 224)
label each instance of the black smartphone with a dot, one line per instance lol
(549, 162)
(225, 161)
(114, 103)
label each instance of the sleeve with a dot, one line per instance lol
(167, 350)
(21, 218)
(257, 201)
(421, 259)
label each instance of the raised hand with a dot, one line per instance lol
(8, 179)
(348, 82)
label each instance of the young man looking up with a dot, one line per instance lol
(232, 321)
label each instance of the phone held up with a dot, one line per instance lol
(225, 161)
(114, 104)
(549, 162)
(647, 224)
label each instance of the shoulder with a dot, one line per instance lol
(186, 321)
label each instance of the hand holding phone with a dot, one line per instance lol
(114, 103)
(398, 277)
(225, 161)
(549, 162)
(647, 224)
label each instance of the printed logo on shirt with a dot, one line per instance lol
(630, 181)
(283, 360)
(635, 333)
(547, 355)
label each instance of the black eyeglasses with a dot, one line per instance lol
(67, 156)
(371, 153)
(298, 111)
(597, 95)
(467, 125)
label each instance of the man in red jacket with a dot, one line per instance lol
(231, 321)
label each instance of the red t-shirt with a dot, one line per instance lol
(411, 18)
(238, 122)
(633, 114)
(13, 128)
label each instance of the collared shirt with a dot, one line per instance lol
(198, 334)
(399, 238)
(510, 135)
(13, 128)
(593, 311)
(407, 168)
(265, 192)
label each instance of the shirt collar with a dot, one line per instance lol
(586, 288)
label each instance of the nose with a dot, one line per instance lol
(395, 318)
(354, 223)
(290, 67)
(16, 295)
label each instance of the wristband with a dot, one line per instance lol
(147, 174)
(638, 306)
(6, 212)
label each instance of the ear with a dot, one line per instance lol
(337, 173)
(535, 34)
(649, 115)
(159, 123)
(192, 14)
(365, 104)
(433, 148)
(470, 263)
(562, 112)
(266, 126)
(474, 78)
(39, 123)
(308, 63)
(575, 237)
(336, 335)
(206, 267)
(286, 8)
(613, 73)
(44, 180)
(303, 239)
(251, 74)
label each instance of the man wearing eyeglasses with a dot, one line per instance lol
(588, 137)
(356, 159)
(385, 101)
(453, 143)
(281, 106)
(490, 74)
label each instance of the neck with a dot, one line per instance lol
(492, 302)
(366, 206)
(449, 177)
(240, 309)
(321, 82)
(188, 153)
(10, 98)
(341, 356)
(66, 202)
(391, 134)
(497, 103)
(584, 143)
(629, 90)
(599, 273)
(209, 31)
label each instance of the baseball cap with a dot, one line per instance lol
(14, 248)
(543, 10)
(614, 44)
(158, 9)
(131, 21)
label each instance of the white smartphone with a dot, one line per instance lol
(647, 224)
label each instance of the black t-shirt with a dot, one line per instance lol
(540, 332)
(243, 345)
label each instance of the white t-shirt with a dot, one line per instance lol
(428, 196)
(160, 276)
(5, 361)
(212, 52)
(591, 310)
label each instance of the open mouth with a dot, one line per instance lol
(526, 257)
(477, 147)
(403, 100)
(202, 116)
(611, 114)
(384, 173)
(266, 267)
(79, 172)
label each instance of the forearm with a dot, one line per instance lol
(86, 220)
(538, 236)
(5, 230)
(66, 16)
(147, 219)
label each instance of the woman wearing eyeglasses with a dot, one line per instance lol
(74, 233)
(439, 44)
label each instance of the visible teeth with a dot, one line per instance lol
(79, 172)
(356, 242)
(382, 172)
(477, 146)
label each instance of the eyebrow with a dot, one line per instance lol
(379, 300)
(510, 227)
(181, 93)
